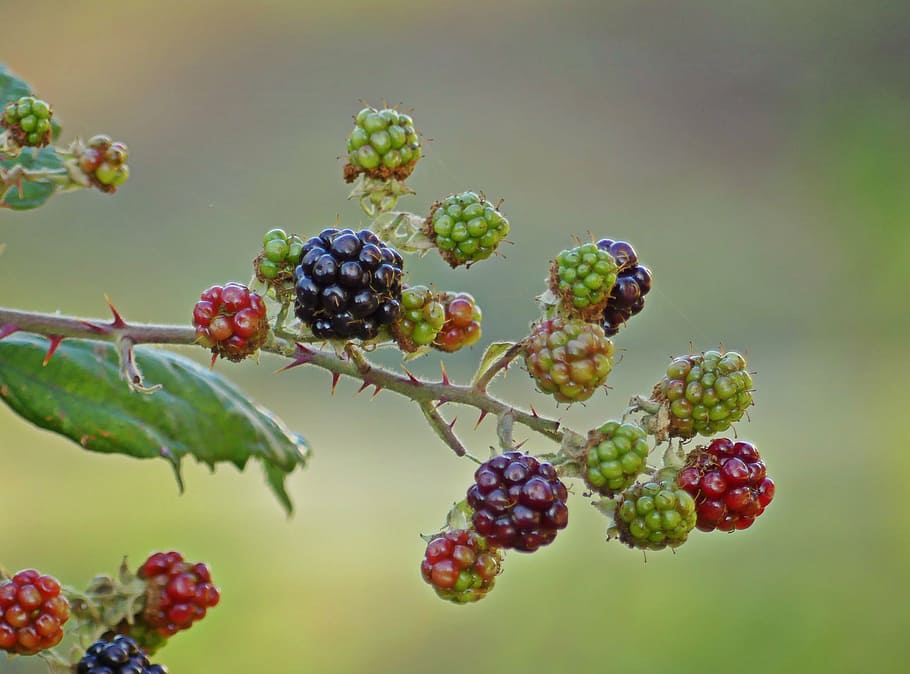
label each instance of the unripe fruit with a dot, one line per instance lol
(466, 228)
(383, 145)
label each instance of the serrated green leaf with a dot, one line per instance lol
(33, 194)
(494, 351)
(198, 413)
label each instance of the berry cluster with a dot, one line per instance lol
(348, 284)
(615, 455)
(729, 483)
(569, 358)
(177, 593)
(706, 393)
(422, 317)
(104, 163)
(466, 228)
(383, 144)
(118, 656)
(462, 326)
(32, 613)
(461, 566)
(28, 121)
(633, 282)
(518, 501)
(654, 514)
(582, 278)
(231, 321)
(274, 266)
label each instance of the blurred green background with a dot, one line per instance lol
(756, 154)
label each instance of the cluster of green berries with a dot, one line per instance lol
(423, 315)
(569, 358)
(466, 228)
(655, 514)
(383, 144)
(582, 278)
(28, 121)
(706, 393)
(274, 266)
(104, 163)
(615, 455)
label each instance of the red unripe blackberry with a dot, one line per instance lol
(231, 320)
(729, 483)
(633, 282)
(519, 502)
(178, 594)
(461, 566)
(32, 613)
(104, 162)
(462, 324)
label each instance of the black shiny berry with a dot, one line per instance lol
(119, 656)
(633, 282)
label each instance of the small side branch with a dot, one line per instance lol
(442, 428)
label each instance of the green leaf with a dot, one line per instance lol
(198, 413)
(12, 88)
(494, 351)
(33, 194)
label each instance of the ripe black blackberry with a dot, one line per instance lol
(348, 284)
(519, 502)
(633, 282)
(119, 656)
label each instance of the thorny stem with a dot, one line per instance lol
(499, 364)
(353, 363)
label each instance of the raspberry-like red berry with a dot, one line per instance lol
(654, 514)
(383, 145)
(32, 613)
(28, 121)
(568, 358)
(348, 284)
(178, 593)
(633, 282)
(104, 162)
(462, 325)
(231, 320)
(120, 655)
(461, 566)
(519, 502)
(729, 483)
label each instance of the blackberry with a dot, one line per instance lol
(519, 502)
(28, 121)
(568, 358)
(461, 566)
(423, 316)
(274, 266)
(383, 145)
(32, 613)
(348, 284)
(615, 455)
(729, 483)
(654, 514)
(705, 393)
(104, 163)
(231, 321)
(582, 278)
(121, 655)
(462, 325)
(466, 228)
(633, 282)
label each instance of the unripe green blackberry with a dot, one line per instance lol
(28, 121)
(466, 228)
(705, 393)
(104, 163)
(383, 144)
(654, 514)
(582, 278)
(422, 317)
(275, 265)
(569, 358)
(616, 454)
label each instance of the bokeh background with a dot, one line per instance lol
(756, 154)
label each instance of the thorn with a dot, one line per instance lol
(8, 329)
(118, 321)
(376, 392)
(54, 343)
(97, 329)
(414, 380)
(335, 377)
(363, 386)
(445, 375)
(301, 357)
(214, 358)
(452, 423)
(520, 444)
(483, 415)
(534, 412)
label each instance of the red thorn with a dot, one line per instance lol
(363, 386)
(445, 375)
(483, 415)
(414, 380)
(301, 357)
(335, 377)
(452, 423)
(52, 349)
(533, 412)
(520, 444)
(376, 392)
(8, 329)
(214, 358)
(118, 321)
(96, 328)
